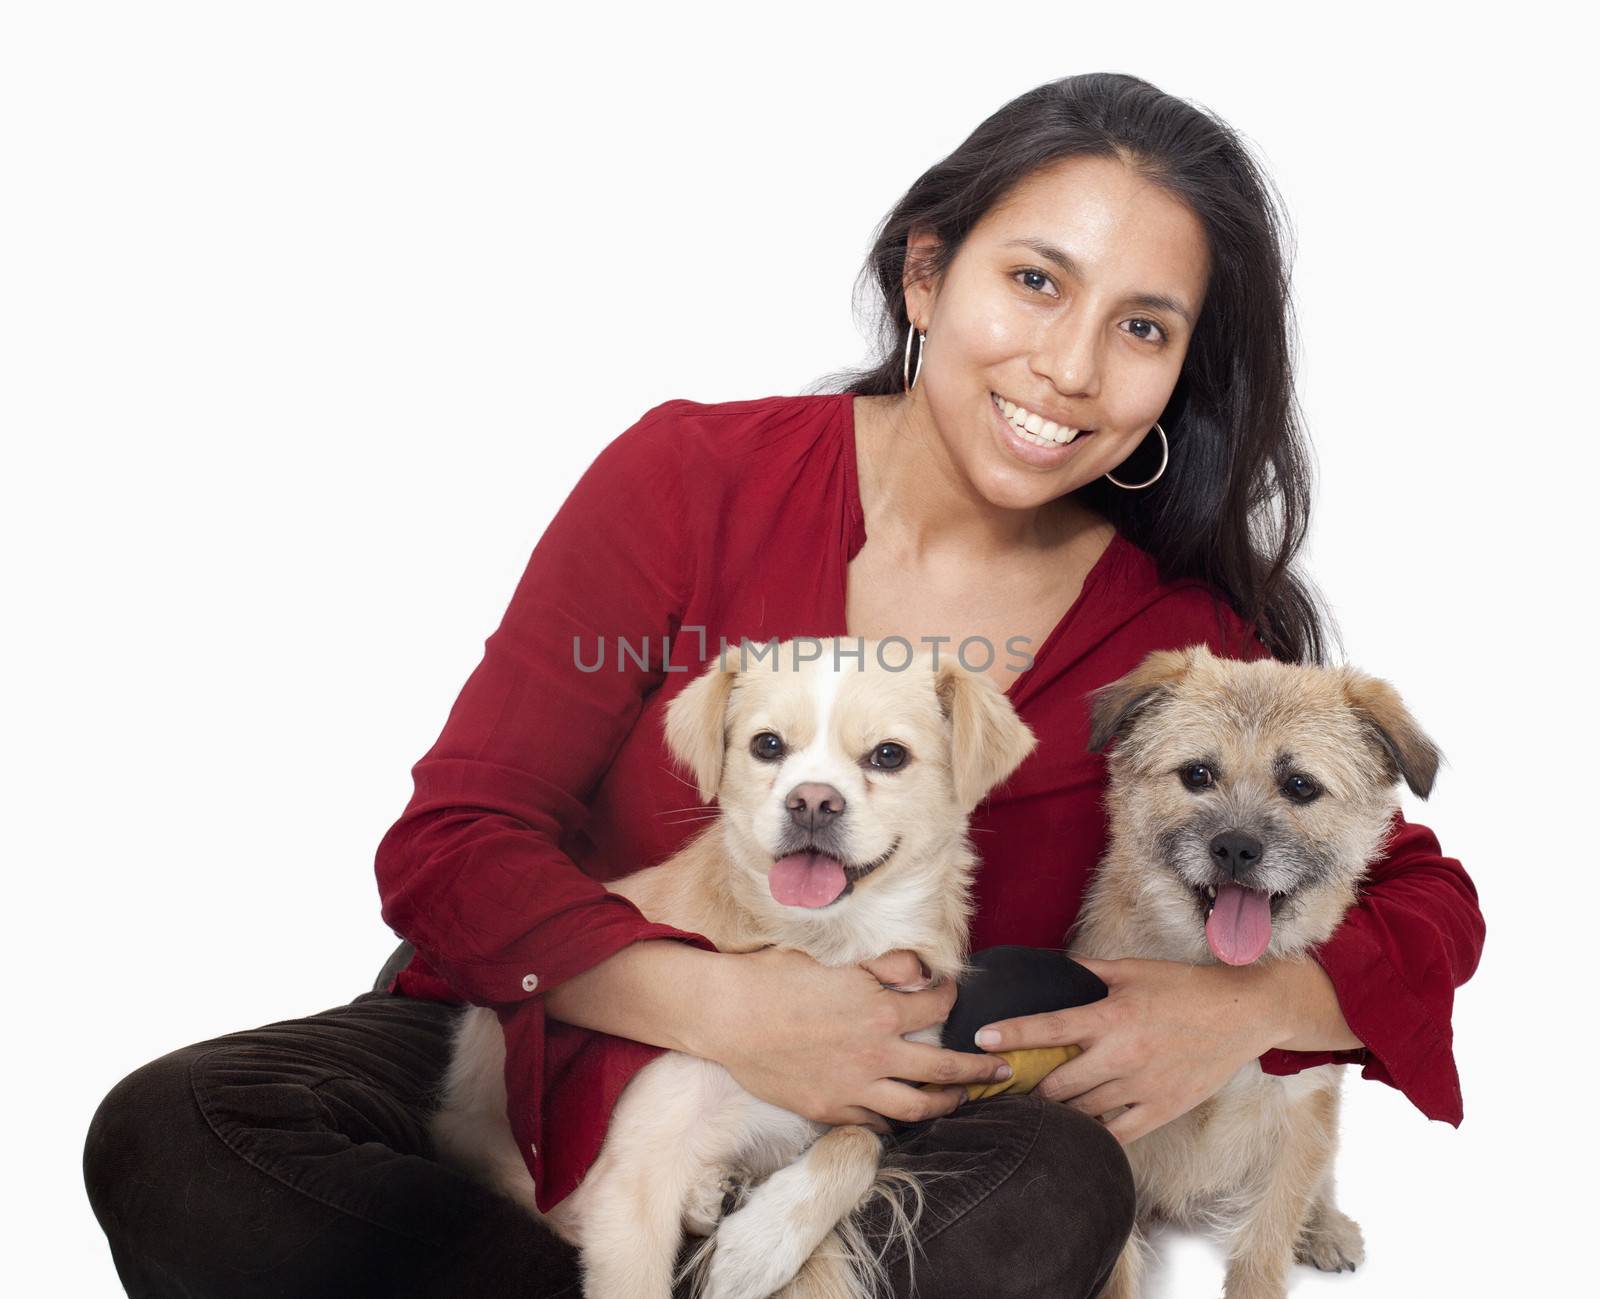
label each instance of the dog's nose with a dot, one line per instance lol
(1235, 851)
(813, 806)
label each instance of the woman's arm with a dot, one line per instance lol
(1301, 997)
(1414, 936)
(655, 992)
(474, 873)
(808, 1038)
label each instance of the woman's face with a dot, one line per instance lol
(1075, 299)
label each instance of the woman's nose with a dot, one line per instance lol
(1068, 355)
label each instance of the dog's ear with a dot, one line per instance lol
(1114, 708)
(696, 726)
(1405, 752)
(988, 741)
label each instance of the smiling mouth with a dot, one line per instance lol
(813, 879)
(1048, 434)
(854, 873)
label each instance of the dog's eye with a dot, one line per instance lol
(767, 746)
(888, 756)
(1197, 776)
(1299, 789)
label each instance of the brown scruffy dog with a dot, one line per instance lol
(1246, 801)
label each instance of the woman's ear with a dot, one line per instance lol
(988, 740)
(696, 726)
(1114, 708)
(917, 280)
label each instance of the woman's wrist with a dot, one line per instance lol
(1298, 1007)
(711, 1005)
(659, 991)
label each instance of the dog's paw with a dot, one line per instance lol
(712, 1201)
(1330, 1241)
(754, 1257)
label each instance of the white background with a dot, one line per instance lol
(312, 314)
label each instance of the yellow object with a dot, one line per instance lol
(1028, 1070)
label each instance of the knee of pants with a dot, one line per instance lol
(1049, 1217)
(145, 1126)
(1093, 1199)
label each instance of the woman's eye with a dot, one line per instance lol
(1197, 776)
(1038, 275)
(767, 746)
(888, 756)
(1152, 330)
(1300, 789)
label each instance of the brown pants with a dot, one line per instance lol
(294, 1160)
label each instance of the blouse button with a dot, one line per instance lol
(530, 982)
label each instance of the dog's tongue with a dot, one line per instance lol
(1240, 924)
(806, 879)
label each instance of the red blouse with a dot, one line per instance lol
(710, 523)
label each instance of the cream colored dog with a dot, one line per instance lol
(1246, 800)
(844, 788)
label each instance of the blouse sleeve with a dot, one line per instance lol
(1395, 961)
(473, 873)
(1413, 937)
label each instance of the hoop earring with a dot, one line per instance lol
(1133, 487)
(905, 369)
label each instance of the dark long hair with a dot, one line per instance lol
(1233, 506)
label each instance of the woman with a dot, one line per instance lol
(1098, 254)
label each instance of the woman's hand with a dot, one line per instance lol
(825, 1042)
(1166, 1037)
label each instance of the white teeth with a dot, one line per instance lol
(1034, 428)
(1211, 891)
